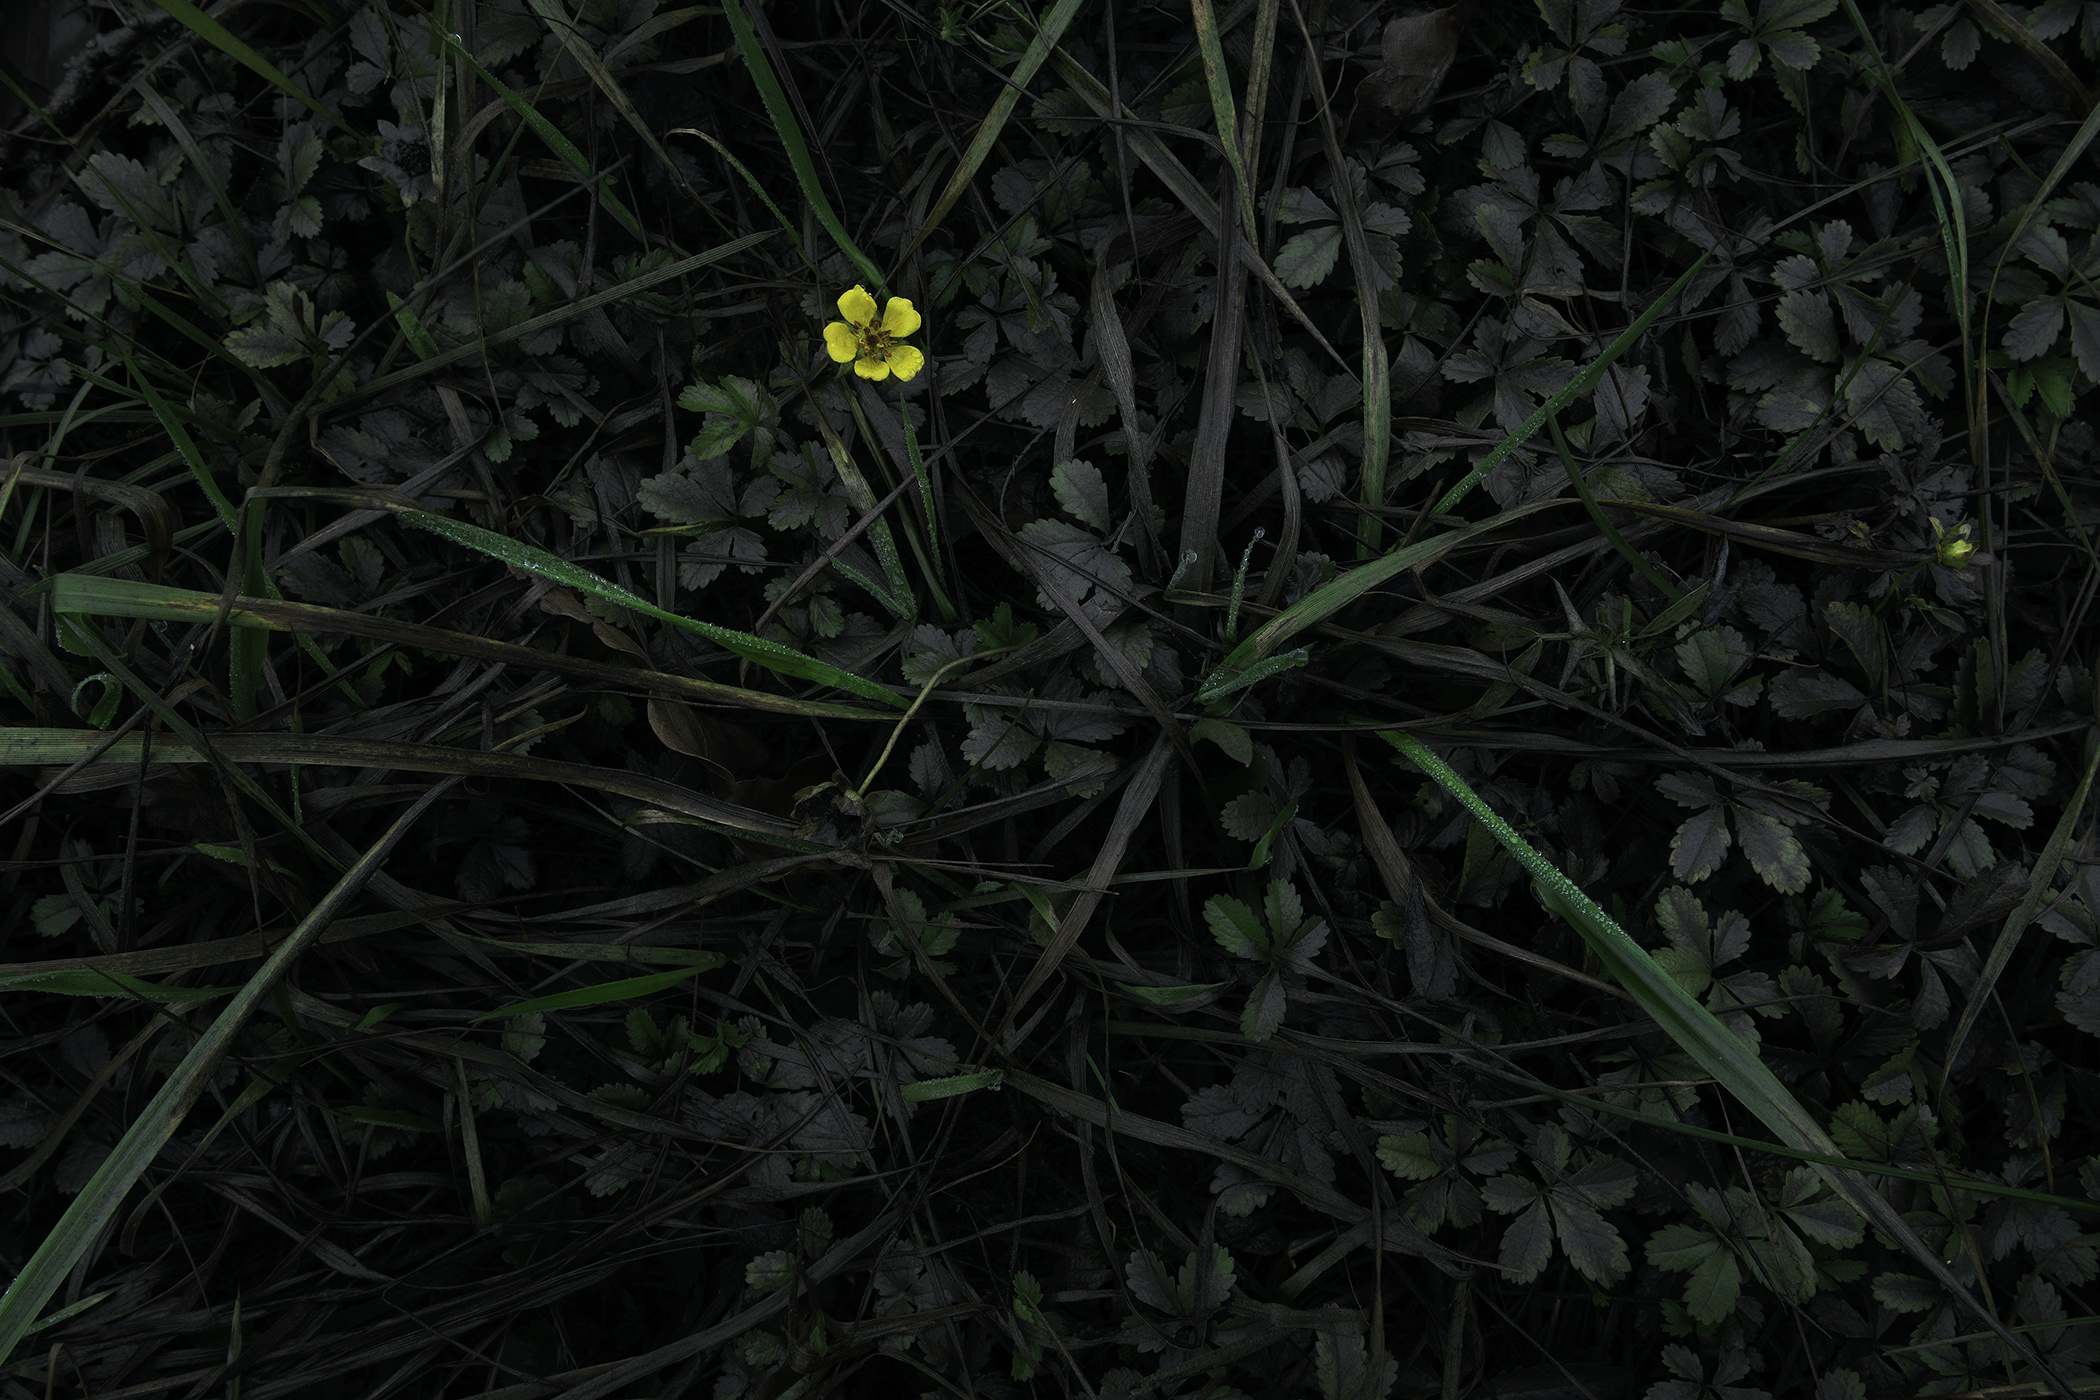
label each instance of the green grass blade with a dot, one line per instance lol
(558, 20)
(1330, 598)
(184, 444)
(918, 469)
(219, 37)
(927, 1090)
(1700, 1034)
(2016, 923)
(1578, 386)
(87, 982)
(790, 132)
(98, 1202)
(1218, 79)
(625, 989)
(744, 172)
(1603, 522)
(773, 656)
(1032, 59)
(561, 145)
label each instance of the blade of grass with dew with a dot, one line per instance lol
(790, 133)
(1578, 386)
(626, 989)
(1716, 1049)
(222, 39)
(897, 596)
(928, 1090)
(85, 1218)
(1039, 49)
(561, 145)
(773, 656)
(1218, 79)
(925, 552)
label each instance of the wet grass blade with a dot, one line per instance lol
(1218, 79)
(1578, 386)
(771, 655)
(790, 132)
(1700, 1034)
(97, 1204)
(219, 37)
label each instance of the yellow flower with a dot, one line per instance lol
(871, 344)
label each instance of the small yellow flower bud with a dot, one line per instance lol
(1951, 548)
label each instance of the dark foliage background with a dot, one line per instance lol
(1099, 1026)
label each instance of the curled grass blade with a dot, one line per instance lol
(790, 132)
(1716, 1049)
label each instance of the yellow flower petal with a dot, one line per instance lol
(899, 318)
(858, 307)
(905, 360)
(871, 368)
(841, 342)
